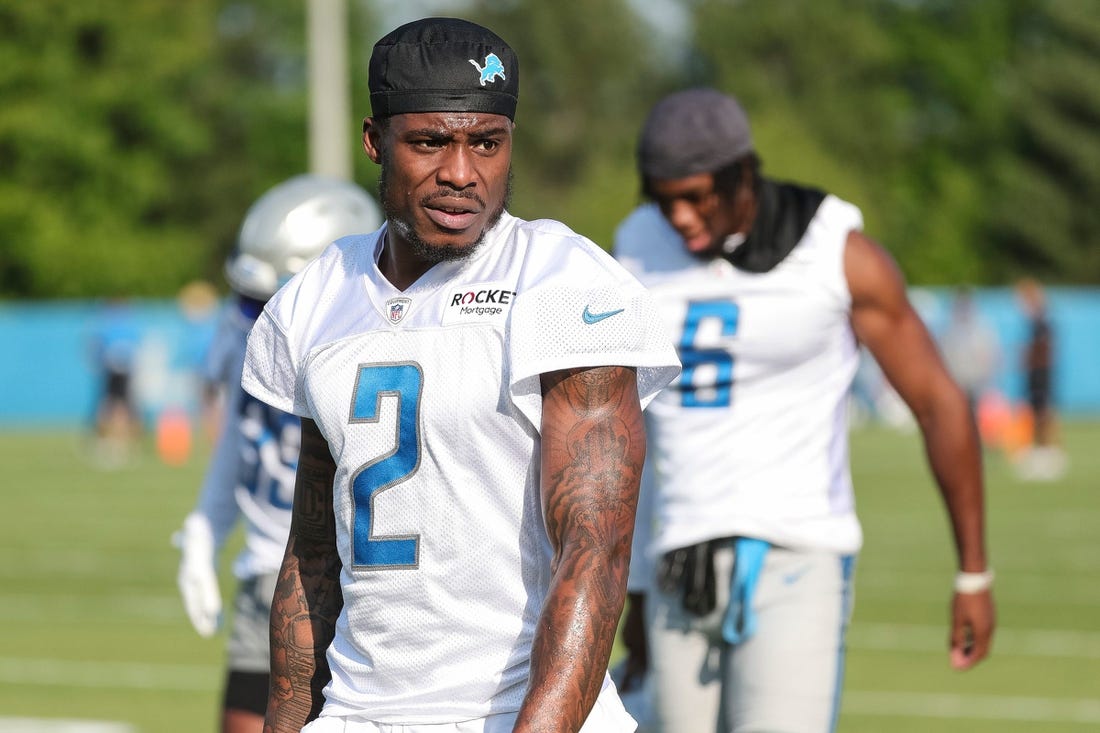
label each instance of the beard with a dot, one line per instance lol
(423, 249)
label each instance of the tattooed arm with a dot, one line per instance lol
(593, 446)
(307, 595)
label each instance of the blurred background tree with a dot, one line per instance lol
(1045, 176)
(931, 115)
(134, 133)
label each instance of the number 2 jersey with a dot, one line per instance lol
(430, 401)
(752, 439)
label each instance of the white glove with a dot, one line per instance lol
(198, 579)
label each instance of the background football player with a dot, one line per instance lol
(251, 474)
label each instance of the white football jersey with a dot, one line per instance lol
(751, 440)
(430, 401)
(251, 472)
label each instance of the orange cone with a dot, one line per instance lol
(174, 436)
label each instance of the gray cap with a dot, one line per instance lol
(693, 131)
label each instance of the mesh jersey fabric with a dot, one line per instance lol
(429, 399)
(751, 439)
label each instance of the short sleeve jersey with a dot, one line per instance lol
(751, 440)
(430, 401)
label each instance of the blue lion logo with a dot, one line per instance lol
(491, 70)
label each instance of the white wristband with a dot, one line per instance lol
(973, 582)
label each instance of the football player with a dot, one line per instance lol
(470, 385)
(771, 288)
(250, 478)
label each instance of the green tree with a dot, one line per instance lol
(885, 103)
(135, 133)
(964, 129)
(1043, 216)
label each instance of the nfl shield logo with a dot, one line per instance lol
(397, 308)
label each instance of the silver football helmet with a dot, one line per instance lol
(289, 225)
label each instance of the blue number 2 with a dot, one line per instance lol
(375, 381)
(693, 393)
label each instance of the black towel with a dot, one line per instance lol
(783, 211)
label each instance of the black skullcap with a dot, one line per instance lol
(693, 131)
(443, 65)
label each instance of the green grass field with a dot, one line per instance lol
(92, 628)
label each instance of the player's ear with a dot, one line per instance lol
(372, 138)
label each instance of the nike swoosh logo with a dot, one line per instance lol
(590, 317)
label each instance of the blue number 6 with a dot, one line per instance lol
(374, 381)
(716, 393)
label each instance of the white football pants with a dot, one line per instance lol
(785, 678)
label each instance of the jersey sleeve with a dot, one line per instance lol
(644, 237)
(217, 501)
(271, 367)
(837, 218)
(215, 367)
(586, 311)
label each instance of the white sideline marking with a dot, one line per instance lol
(205, 678)
(972, 707)
(110, 675)
(42, 725)
(160, 610)
(1016, 642)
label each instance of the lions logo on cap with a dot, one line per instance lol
(491, 70)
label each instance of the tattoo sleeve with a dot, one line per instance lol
(593, 447)
(307, 597)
